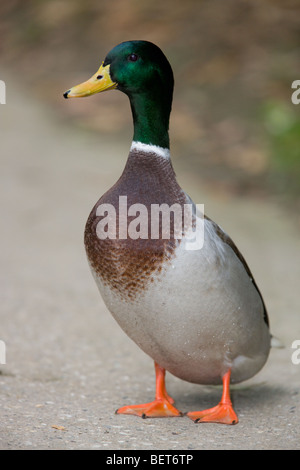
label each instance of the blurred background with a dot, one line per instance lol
(233, 122)
(235, 143)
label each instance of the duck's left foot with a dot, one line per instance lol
(161, 407)
(156, 409)
(222, 413)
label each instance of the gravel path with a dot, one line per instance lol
(68, 365)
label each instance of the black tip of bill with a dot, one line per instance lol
(66, 94)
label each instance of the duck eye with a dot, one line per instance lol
(133, 57)
(99, 77)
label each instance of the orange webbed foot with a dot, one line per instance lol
(161, 407)
(222, 413)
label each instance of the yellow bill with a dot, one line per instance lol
(100, 81)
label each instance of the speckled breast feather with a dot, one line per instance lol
(128, 265)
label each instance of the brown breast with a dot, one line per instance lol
(127, 265)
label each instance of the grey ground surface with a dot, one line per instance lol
(69, 366)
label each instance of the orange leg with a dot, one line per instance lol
(159, 408)
(222, 413)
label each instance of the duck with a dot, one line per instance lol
(180, 289)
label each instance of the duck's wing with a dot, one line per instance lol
(226, 239)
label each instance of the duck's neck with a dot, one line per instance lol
(151, 114)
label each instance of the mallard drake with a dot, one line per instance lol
(197, 313)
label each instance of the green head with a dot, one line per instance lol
(141, 71)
